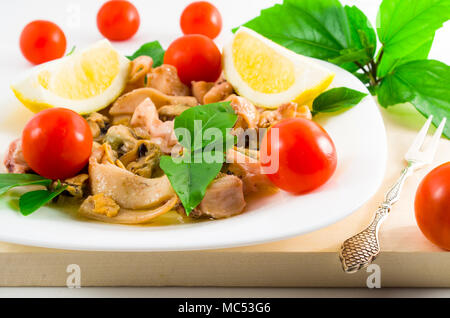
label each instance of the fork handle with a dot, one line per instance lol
(361, 249)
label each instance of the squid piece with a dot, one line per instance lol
(200, 88)
(165, 79)
(127, 104)
(161, 133)
(247, 112)
(220, 91)
(14, 160)
(223, 198)
(123, 216)
(169, 112)
(248, 169)
(139, 68)
(130, 191)
(288, 110)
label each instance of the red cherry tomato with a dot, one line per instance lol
(118, 20)
(196, 58)
(201, 17)
(42, 41)
(432, 206)
(306, 155)
(57, 143)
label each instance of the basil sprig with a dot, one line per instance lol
(398, 72)
(337, 99)
(29, 202)
(191, 173)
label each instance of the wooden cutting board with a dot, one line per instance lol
(407, 258)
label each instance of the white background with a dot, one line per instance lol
(156, 17)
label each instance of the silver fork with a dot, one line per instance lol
(361, 249)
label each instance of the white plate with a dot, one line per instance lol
(358, 134)
(360, 140)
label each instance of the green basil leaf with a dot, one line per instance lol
(152, 49)
(337, 99)
(423, 83)
(406, 25)
(314, 28)
(388, 63)
(32, 201)
(362, 33)
(218, 115)
(190, 180)
(11, 180)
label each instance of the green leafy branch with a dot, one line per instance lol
(398, 72)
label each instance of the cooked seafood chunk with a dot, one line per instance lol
(220, 91)
(126, 216)
(248, 169)
(139, 69)
(76, 186)
(121, 120)
(161, 133)
(143, 159)
(14, 160)
(200, 88)
(127, 104)
(223, 198)
(98, 123)
(101, 204)
(120, 138)
(169, 112)
(287, 110)
(165, 79)
(127, 189)
(247, 112)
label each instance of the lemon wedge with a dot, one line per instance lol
(85, 81)
(268, 74)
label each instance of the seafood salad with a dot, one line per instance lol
(130, 138)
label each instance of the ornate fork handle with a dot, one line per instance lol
(360, 250)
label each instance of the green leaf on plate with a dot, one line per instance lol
(220, 116)
(33, 200)
(152, 49)
(337, 99)
(11, 180)
(190, 180)
(423, 83)
(406, 25)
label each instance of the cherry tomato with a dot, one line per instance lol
(118, 20)
(42, 41)
(57, 143)
(306, 155)
(201, 17)
(196, 58)
(432, 206)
